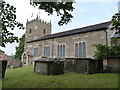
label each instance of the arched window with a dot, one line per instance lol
(76, 49)
(63, 50)
(58, 51)
(44, 31)
(84, 49)
(44, 51)
(35, 52)
(47, 51)
(30, 30)
(24, 58)
(80, 49)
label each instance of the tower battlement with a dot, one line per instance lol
(40, 20)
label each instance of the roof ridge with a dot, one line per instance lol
(83, 27)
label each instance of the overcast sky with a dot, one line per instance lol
(86, 13)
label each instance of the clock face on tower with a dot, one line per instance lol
(36, 27)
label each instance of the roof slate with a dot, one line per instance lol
(90, 28)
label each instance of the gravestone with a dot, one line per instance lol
(3, 65)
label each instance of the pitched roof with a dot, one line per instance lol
(90, 28)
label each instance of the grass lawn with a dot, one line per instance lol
(25, 78)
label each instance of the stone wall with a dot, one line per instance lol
(80, 65)
(16, 63)
(83, 65)
(69, 41)
(113, 64)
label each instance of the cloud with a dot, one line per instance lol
(83, 10)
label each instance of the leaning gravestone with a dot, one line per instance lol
(3, 65)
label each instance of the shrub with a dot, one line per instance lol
(104, 51)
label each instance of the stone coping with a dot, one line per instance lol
(48, 60)
(61, 59)
(81, 58)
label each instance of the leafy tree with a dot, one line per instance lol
(116, 23)
(8, 20)
(104, 51)
(114, 41)
(101, 51)
(63, 9)
(20, 48)
(8, 17)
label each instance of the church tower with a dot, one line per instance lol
(36, 28)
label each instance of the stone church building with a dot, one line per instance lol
(39, 42)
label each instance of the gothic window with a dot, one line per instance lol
(58, 51)
(84, 49)
(47, 51)
(63, 50)
(44, 31)
(76, 49)
(44, 51)
(30, 30)
(80, 49)
(35, 52)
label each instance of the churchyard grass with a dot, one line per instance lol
(26, 78)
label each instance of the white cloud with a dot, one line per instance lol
(83, 10)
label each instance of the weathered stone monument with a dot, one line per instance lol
(49, 66)
(113, 64)
(83, 65)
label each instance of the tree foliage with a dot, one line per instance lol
(116, 22)
(114, 41)
(8, 20)
(63, 9)
(104, 51)
(20, 48)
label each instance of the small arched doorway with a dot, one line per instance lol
(24, 58)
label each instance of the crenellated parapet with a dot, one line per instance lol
(40, 20)
(37, 28)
